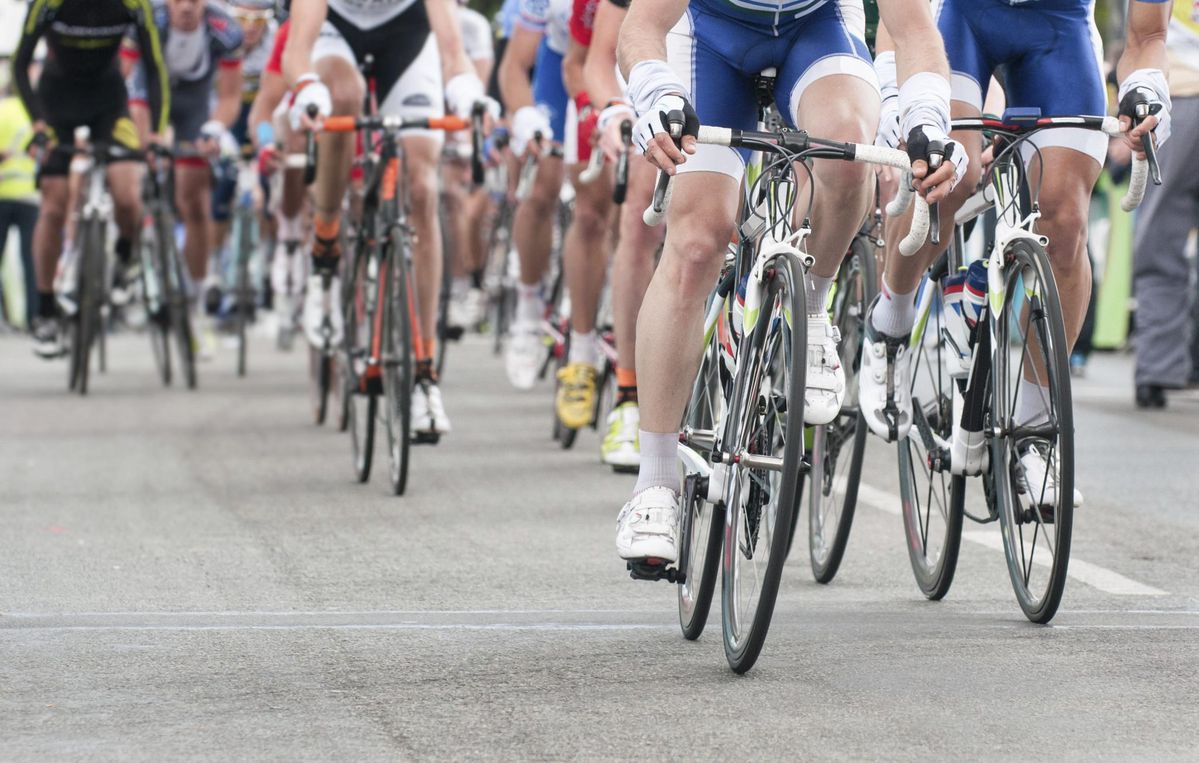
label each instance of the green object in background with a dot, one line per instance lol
(1114, 302)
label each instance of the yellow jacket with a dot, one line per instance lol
(17, 171)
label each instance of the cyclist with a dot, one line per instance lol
(467, 208)
(536, 105)
(637, 245)
(1048, 51)
(201, 45)
(825, 82)
(81, 86)
(586, 243)
(413, 44)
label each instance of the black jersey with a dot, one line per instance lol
(83, 38)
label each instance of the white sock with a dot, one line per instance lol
(659, 461)
(290, 228)
(529, 307)
(584, 348)
(1032, 406)
(818, 287)
(895, 312)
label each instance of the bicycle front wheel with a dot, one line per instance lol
(244, 290)
(156, 294)
(931, 497)
(838, 448)
(1032, 457)
(766, 448)
(180, 315)
(397, 364)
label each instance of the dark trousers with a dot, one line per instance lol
(24, 216)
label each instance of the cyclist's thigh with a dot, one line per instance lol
(1062, 76)
(969, 64)
(721, 93)
(417, 93)
(189, 110)
(336, 60)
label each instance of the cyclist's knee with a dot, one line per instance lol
(694, 254)
(845, 180)
(423, 188)
(1065, 225)
(346, 92)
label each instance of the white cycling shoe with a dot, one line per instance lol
(523, 355)
(428, 411)
(321, 300)
(825, 383)
(648, 527)
(1040, 479)
(884, 382)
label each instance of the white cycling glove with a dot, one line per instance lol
(1148, 85)
(215, 130)
(609, 123)
(309, 91)
(924, 111)
(888, 121)
(527, 122)
(463, 91)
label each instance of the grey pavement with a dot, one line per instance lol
(197, 575)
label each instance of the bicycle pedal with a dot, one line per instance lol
(426, 438)
(654, 569)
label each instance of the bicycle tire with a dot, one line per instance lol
(700, 536)
(502, 295)
(933, 538)
(362, 435)
(156, 296)
(1022, 257)
(244, 300)
(563, 435)
(320, 381)
(443, 294)
(180, 314)
(856, 285)
(745, 632)
(397, 362)
(90, 289)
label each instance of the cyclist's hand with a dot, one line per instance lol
(1144, 108)
(527, 123)
(40, 140)
(608, 127)
(652, 132)
(938, 163)
(309, 91)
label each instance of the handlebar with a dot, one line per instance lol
(477, 150)
(796, 142)
(621, 189)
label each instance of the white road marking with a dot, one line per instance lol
(1085, 572)
(358, 627)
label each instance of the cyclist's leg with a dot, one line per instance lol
(533, 231)
(633, 265)
(336, 65)
(193, 200)
(423, 153)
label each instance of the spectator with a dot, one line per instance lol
(18, 193)
(1162, 278)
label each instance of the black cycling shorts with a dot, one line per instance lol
(101, 105)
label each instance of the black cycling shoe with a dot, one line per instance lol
(1151, 396)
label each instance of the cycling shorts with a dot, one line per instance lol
(68, 104)
(407, 64)
(719, 57)
(548, 90)
(1048, 55)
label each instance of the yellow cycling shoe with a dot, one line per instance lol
(575, 399)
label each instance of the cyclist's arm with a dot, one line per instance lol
(916, 41)
(599, 71)
(1145, 46)
(443, 20)
(643, 36)
(519, 58)
(228, 93)
(572, 68)
(271, 89)
(158, 92)
(31, 33)
(306, 20)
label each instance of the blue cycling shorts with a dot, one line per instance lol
(1047, 54)
(548, 90)
(719, 56)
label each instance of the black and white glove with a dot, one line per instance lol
(1146, 93)
(670, 114)
(924, 119)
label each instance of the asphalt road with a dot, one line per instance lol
(197, 575)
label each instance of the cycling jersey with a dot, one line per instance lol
(476, 34)
(718, 51)
(1048, 53)
(506, 18)
(551, 18)
(253, 64)
(368, 14)
(582, 20)
(81, 83)
(274, 64)
(777, 16)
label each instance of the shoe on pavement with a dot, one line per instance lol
(825, 389)
(47, 337)
(322, 298)
(621, 448)
(523, 355)
(1151, 396)
(648, 526)
(575, 400)
(1039, 481)
(428, 410)
(884, 383)
(125, 276)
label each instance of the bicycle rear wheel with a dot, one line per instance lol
(180, 315)
(360, 379)
(839, 447)
(766, 445)
(931, 497)
(499, 283)
(90, 291)
(1030, 343)
(397, 362)
(244, 290)
(320, 382)
(156, 294)
(700, 536)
